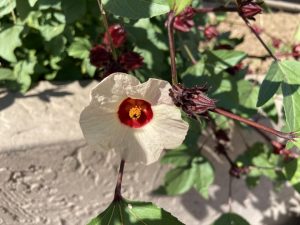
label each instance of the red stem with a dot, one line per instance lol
(171, 18)
(288, 136)
(118, 195)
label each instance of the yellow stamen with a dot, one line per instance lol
(135, 112)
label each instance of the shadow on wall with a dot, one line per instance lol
(9, 98)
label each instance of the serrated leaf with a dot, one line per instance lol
(73, 10)
(270, 84)
(230, 219)
(6, 6)
(204, 176)
(22, 71)
(220, 60)
(178, 157)
(50, 31)
(179, 180)
(6, 74)
(137, 9)
(126, 212)
(80, 48)
(291, 93)
(292, 173)
(10, 40)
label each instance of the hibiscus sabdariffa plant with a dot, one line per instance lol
(137, 120)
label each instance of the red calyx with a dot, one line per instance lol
(210, 32)
(99, 56)
(131, 60)
(184, 21)
(249, 9)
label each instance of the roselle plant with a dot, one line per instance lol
(166, 75)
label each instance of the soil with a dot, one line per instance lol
(277, 25)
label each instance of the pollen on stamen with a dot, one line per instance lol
(135, 112)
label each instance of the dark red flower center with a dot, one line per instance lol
(135, 112)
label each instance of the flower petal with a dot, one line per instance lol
(98, 126)
(167, 122)
(154, 91)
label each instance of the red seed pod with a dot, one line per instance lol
(118, 35)
(276, 42)
(296, 51)
(131, 60)
(99, 56)
(193, 101)
(249, 9)
(210, 32)
(184, 21)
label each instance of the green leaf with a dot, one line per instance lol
(204, 176)
(87, 67)
(6, 6)
(80, 48)
(179, 5)
(220, 60)
(50, 31)
(178, 157)
(230, 219)
(32, 2)
(6, 74)
(179, 180)
(270, 84)
(292, 172)
(297, 35)
(10, 40)
(290, 90)
(126, 212)
(23, 9)
(137, 9)
(73, 9)
(22, 71)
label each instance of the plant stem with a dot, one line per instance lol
(189, 53)
(118, 195)
(287, 136)
(105, 23)
(170, 22)
(259, 38)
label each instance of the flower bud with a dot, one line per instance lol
(131, 60)
(279, 149)
(257, 29)
(210, 32)
(276, 42)
(184, 21)
(99, 56)
(193, 101)
(296, 51)
(118, 35)
(248, 9)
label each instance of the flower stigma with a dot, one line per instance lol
(135, 113)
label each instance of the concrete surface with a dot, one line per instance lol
(48, 175)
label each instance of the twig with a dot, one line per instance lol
(170, 21)
(118, 195)
(288, 136)
(105, 23)
(259, 38)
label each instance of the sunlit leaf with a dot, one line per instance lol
(10, 40)
(230, 219)
(126, 212)
(136, 9)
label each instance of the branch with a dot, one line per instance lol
(118, 195)
(170, 22)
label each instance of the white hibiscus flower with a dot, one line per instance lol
(137, 120)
